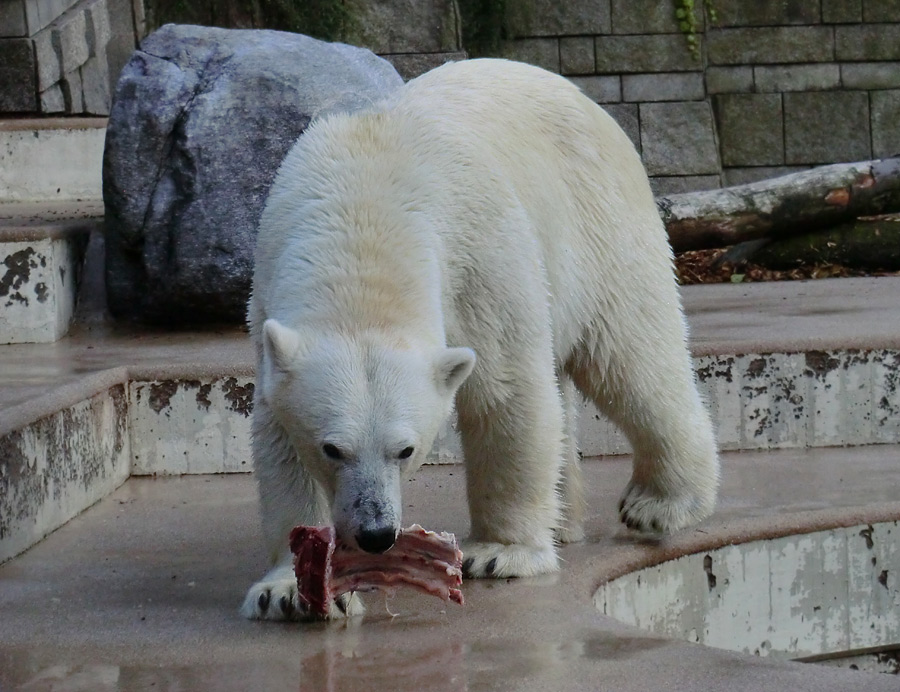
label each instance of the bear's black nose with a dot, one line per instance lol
(376, 541)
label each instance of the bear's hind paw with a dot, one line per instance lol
(499, 560)
(646, 510)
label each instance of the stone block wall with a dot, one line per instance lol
(55, 54)
(779, 85)
(808, 82)
(413, 35)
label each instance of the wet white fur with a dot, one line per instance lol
(489, 206)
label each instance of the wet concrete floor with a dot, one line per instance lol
(141, 592)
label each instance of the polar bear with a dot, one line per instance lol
(485, 238)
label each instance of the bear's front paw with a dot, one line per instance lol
(647, 509)
(279, 600)
(499, 560)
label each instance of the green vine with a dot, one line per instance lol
(687, 22)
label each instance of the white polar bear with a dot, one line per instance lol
(487, 208)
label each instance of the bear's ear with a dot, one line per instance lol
(453, 366)
(280, 344)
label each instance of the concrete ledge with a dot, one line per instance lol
(784, 400)
(49, 159)
(186, 397)
(800, 595)
(191, 425)
(39, 277)
(47, 218)
(55, 468)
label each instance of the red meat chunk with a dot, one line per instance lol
(326, 567)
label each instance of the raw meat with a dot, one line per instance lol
(326, 567)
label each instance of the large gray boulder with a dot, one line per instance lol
(200, 122)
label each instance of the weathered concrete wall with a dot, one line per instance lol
(38, 282)
(51, 159)
(191, 426)
(785, 400)
(803, 595)
(55, 468)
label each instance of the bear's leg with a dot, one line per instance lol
(571, 483)
(513, 452)
(647, 388)
(288, 497)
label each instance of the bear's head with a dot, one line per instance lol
(362, 412)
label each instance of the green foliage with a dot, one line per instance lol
(483, 25)
(687, 22)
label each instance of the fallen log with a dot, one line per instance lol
(870, 242)
(791, 204)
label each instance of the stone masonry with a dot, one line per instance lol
(780, 85)
(54, 55)
(413, 35)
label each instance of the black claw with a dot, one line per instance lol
(490, 567)
(630, 523)
(263, 601)
(467, 566)
(621, 505)
(341, 603)
(654, 526)
(287, 606)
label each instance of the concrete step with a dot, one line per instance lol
(51, 159)
(50, 201)
(42, 250)
(80, 416)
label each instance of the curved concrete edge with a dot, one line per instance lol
(822, 589)
(614, 564)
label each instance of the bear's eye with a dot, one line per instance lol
(332, 452)
(406, 453)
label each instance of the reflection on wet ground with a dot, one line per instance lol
(350, 661)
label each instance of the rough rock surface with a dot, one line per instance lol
(200, 122)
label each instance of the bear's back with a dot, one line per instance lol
(484, 168)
